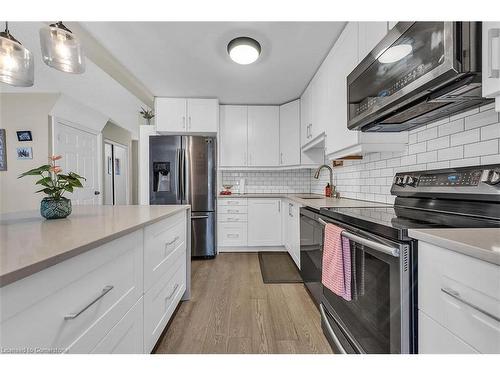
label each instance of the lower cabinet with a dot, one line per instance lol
(291, 229)
(264, 222)
(127, 336)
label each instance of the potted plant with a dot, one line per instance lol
(147, 114)
(55, 184)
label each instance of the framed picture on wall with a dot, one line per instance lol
(3, 154)
(24, 153)
(24, 136)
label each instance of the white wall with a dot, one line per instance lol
(467, 139)
(24, 112)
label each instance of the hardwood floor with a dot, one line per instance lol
(233, 311)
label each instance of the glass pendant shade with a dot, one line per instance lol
(61, 50)
(16, 62)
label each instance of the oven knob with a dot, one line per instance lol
(410, 181)
(493, 177)
(398, 180)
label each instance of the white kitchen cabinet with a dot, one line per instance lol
(233, 135)
(263, 136)
(183, 115)
(491, 60)
(320, 102)
(290, 133)
(370, 34)
(457, 300)
(291, 229)
(202, 115)
(391, 24)
(306, 115)
(264, 222)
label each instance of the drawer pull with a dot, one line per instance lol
(173, 292)
(105, 291)
(233, 211)
(233, 235)
(454, 294)
(233, 219)
(172, 242)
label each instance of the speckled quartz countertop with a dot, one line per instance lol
(29, 243)
(317, 203)
(480, 243)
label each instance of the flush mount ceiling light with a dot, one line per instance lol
(243, 50)
(395, 53)
(16, 62)
(61, 50)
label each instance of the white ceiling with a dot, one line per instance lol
(189, 59)
(94, 88)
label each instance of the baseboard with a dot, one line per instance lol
(250, 249)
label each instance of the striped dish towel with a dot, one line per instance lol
(336, 272)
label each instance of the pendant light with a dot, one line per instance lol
(61, 50)
(16, 62)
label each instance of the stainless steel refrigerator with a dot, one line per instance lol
(183, 171)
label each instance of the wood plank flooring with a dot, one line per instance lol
(233, 311)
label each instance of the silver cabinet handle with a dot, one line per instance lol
(199, 217)
(105, 291)
(183, 122)
(232, 219)
(172, 242)
(233, 211)
(279, 206)
(330, 330)
(493, 34)
(189, 122)
(370, 243)
(233, 235)
(281, 158)
(454, 294)
(173, 292)
(244, 158)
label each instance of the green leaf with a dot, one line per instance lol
(76, 183)
(74, 175)
(36, 171)
(46, 191)
(69, 188)
(46, 181)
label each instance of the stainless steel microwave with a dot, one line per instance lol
(420, 72)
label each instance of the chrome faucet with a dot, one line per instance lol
(318, 171)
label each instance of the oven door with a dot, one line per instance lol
(378, 318)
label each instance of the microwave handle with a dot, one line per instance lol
(392, 251)
(493, 33)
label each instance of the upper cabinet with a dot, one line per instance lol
(491, 61)
(370, 33)
(290, 133)
(306, 115)
(233, 135)
(263, 135)
(186, 115)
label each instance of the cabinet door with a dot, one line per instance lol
(345, 55)
(263, 136)
(370, 34)
(233, 135)
(264, 222)
(305, 115)
(491, 59)
(290, 133)
(203, 115)
(320, 102)
(170, 115)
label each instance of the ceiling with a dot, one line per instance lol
(189, 59)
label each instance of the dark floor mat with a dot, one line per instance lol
(278, 267)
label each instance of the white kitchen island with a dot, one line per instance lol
(106, 279)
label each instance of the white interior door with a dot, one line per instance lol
(79, 151)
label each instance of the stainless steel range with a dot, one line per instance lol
(382, 318)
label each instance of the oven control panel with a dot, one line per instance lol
(464, 180)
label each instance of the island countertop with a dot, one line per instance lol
(30, 243)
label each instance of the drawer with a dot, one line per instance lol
(127, 336)
(160, 302)
(36, 311)
(433, 338)
(163, 242)
(231, 218)
(462, 294)
(232, 210)
(231, 202)
(232, 234)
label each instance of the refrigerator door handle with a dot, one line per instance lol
(183, 175)
(179, 174)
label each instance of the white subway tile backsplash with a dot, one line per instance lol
(438, 143)
(490, 159)
(481, 148)
(481, 119)
(490, 132)
(438, 165)
(468, 136)
(417, 148)
(451, 127)
(451, 153)
(427, 134)
(467, 162)
(427, 157)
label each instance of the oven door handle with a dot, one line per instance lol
(330, 330)
(392, 251)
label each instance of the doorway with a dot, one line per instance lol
(115, 173)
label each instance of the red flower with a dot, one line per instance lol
(55, 157)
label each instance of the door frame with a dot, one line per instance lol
(127, 153)
(53, 120)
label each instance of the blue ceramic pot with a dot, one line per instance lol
(51, 208)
